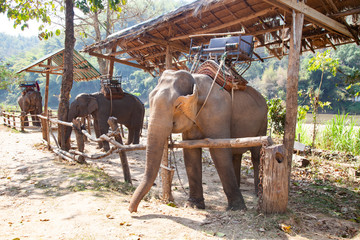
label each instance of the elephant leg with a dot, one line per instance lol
(26, 121)
(97, 132)
(192, 158)
(237, 167)
(255, 158)
(223, 162)
(136, 139)
(35, 119)
(104, 128)
(130, 139)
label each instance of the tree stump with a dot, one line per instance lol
(274, 185)
(112, 121)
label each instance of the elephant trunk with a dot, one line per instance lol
(156, 139)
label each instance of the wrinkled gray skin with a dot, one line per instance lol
(128, 110)
(173, 103)
(31, 102)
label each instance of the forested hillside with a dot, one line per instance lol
(268, 77)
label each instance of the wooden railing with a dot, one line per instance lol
(271, 161)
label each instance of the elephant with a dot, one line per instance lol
(128, 110)
(186, 103)
(31, 102)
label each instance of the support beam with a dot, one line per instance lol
(45, 129)
(312, 14)
(292, 86)
(119, 61)
(132, 49)
(164, 42)
(228, 24)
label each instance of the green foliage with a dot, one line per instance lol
(6, 75)
(276, 115)
(341, 134)
(302, 111)
(324, 62)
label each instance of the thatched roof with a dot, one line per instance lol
(83, 70)
(328, 23)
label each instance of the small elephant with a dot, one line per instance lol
(31, 102)
(177, 105)
(128, 110)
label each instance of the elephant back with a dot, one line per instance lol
(112, 89)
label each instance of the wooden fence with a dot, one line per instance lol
(273, 170)
(17, 121)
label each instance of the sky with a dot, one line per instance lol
(7, 27)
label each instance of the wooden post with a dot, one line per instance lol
(168, 58)
(112, 121)
(22, 120)
(166, 172)
(111, 63)
(44, 122)
(79, 140)
(14, 121)
(292, 87)
(273, 180)
(166, 175)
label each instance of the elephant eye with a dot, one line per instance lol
(178, 105)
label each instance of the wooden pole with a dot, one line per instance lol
(111, 63)
(166, 172)
(166, 175)
(22, 122)
(168, 58)
(274, 185)
(44, 124)
(112, 121)
(292, 86)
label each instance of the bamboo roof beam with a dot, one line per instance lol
(333, 6)
(225, 25)
(165, 43)
(132, 49)
(313, 14)
(346, 13)
(120, 61)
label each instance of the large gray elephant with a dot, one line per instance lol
(128, 110)
(31, 102)
(177, 106)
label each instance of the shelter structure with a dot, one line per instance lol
(327, 23)
(53, 63)
(282, 27)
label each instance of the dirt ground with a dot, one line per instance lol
(43, 197)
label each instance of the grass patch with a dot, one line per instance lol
(95, 179)
(328, 199)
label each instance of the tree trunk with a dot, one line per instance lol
(67, 80)
(292, 86)
(101, 62)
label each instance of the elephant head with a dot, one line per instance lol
(31, 101)
(173, 108)
(83, 105)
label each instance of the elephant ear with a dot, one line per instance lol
(92, 105)
(188, 104)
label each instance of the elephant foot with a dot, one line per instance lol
(195, 203)
(236, 205)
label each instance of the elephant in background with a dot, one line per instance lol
(31, 102)
(175, 105)
(128, 110)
